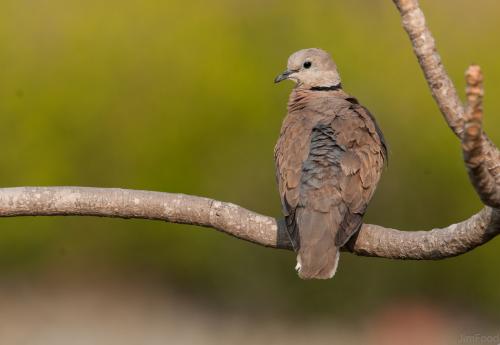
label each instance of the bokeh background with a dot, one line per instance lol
(178, 96)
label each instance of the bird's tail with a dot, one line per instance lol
(318, 255)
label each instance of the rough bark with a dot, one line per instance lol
(481, 157)
(239, 222)
(475, 144)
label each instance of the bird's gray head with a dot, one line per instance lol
(311, 68)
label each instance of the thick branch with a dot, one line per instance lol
(456, 239)
(234, 220)
(125, 203)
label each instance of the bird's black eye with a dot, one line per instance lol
(307, 64)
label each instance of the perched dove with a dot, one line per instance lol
(329, 158)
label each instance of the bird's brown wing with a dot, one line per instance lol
(361, 164)
(290, 153)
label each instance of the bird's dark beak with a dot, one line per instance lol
(283, 76)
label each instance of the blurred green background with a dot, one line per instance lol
(178, 96)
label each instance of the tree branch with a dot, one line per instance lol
(424, 47)
(239, 222)
(481, 157)
(473, 140)
(125, 203)
(445, 94)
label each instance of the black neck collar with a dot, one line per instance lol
(327, 88)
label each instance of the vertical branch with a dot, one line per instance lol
(473, 141)
(483, 157)
(424, 46)
(474, 112)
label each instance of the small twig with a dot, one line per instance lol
(473, 141)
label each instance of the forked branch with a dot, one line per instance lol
(481, 158)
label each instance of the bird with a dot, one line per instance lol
(329, 159)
